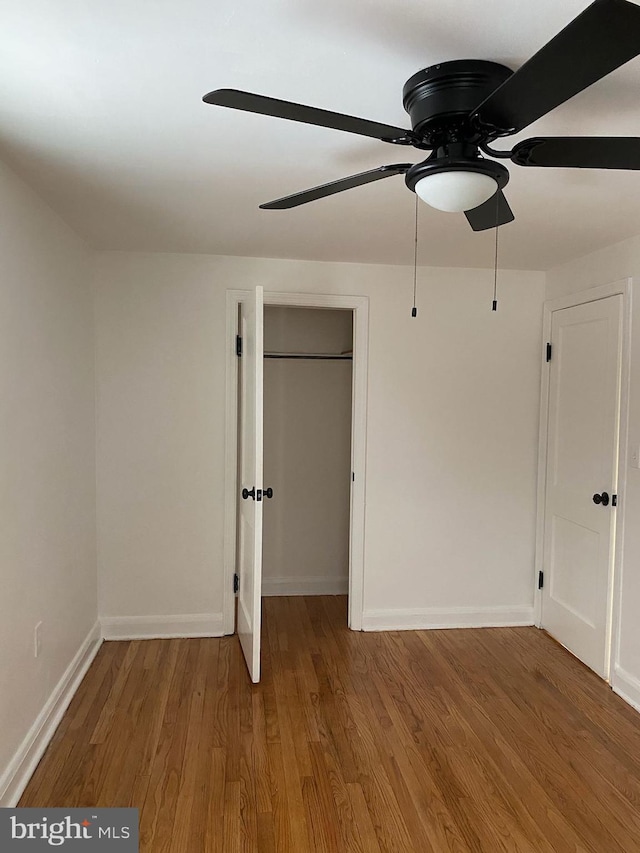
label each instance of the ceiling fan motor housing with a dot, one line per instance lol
(440, 99)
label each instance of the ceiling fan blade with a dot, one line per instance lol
(576, 152)
(491, 213)
(599, 40)
(336, 187)
(263, 105)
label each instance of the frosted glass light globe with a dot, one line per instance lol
(456, 190)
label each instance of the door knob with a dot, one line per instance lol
(246, 493)
(601, 499)
(268, 493)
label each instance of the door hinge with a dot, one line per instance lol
(614, 500)
(548, 352)
(238, 346)
(540, 580)
(236, 583)
(353, 476)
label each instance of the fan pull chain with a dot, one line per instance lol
(494, 305)
(414, 310)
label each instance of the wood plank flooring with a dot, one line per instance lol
(491, 741)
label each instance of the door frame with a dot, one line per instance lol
(360, 307)
(594, 294)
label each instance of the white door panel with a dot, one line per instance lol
(250, 479)
(582, 451)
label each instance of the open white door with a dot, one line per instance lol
(582, 452)
(250, 482)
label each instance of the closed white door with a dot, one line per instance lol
(581, 485)
(250, 482)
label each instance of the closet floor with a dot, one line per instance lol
(461, 740)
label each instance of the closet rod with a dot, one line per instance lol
(312, 356)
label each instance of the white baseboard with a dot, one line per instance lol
(21, 767)
(627, 686)
(162, 627)
(443, 617)
(305, 586)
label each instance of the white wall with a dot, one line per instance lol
(307, 453)
(47, 445)
(293, 329)
(451, 446)
(609, 265)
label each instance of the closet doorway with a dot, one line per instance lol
(308, 354)
(295, 454)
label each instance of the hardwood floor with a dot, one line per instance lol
(477, 740)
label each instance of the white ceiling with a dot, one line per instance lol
(101, 111)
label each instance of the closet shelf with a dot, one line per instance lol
(327, 356)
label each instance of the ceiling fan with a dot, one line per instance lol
(459, 108)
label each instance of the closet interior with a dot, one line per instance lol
(307, 450)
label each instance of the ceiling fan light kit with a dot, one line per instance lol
(455, 191)
(459, 108)
(455, 184)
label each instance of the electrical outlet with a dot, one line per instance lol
(37, 640)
